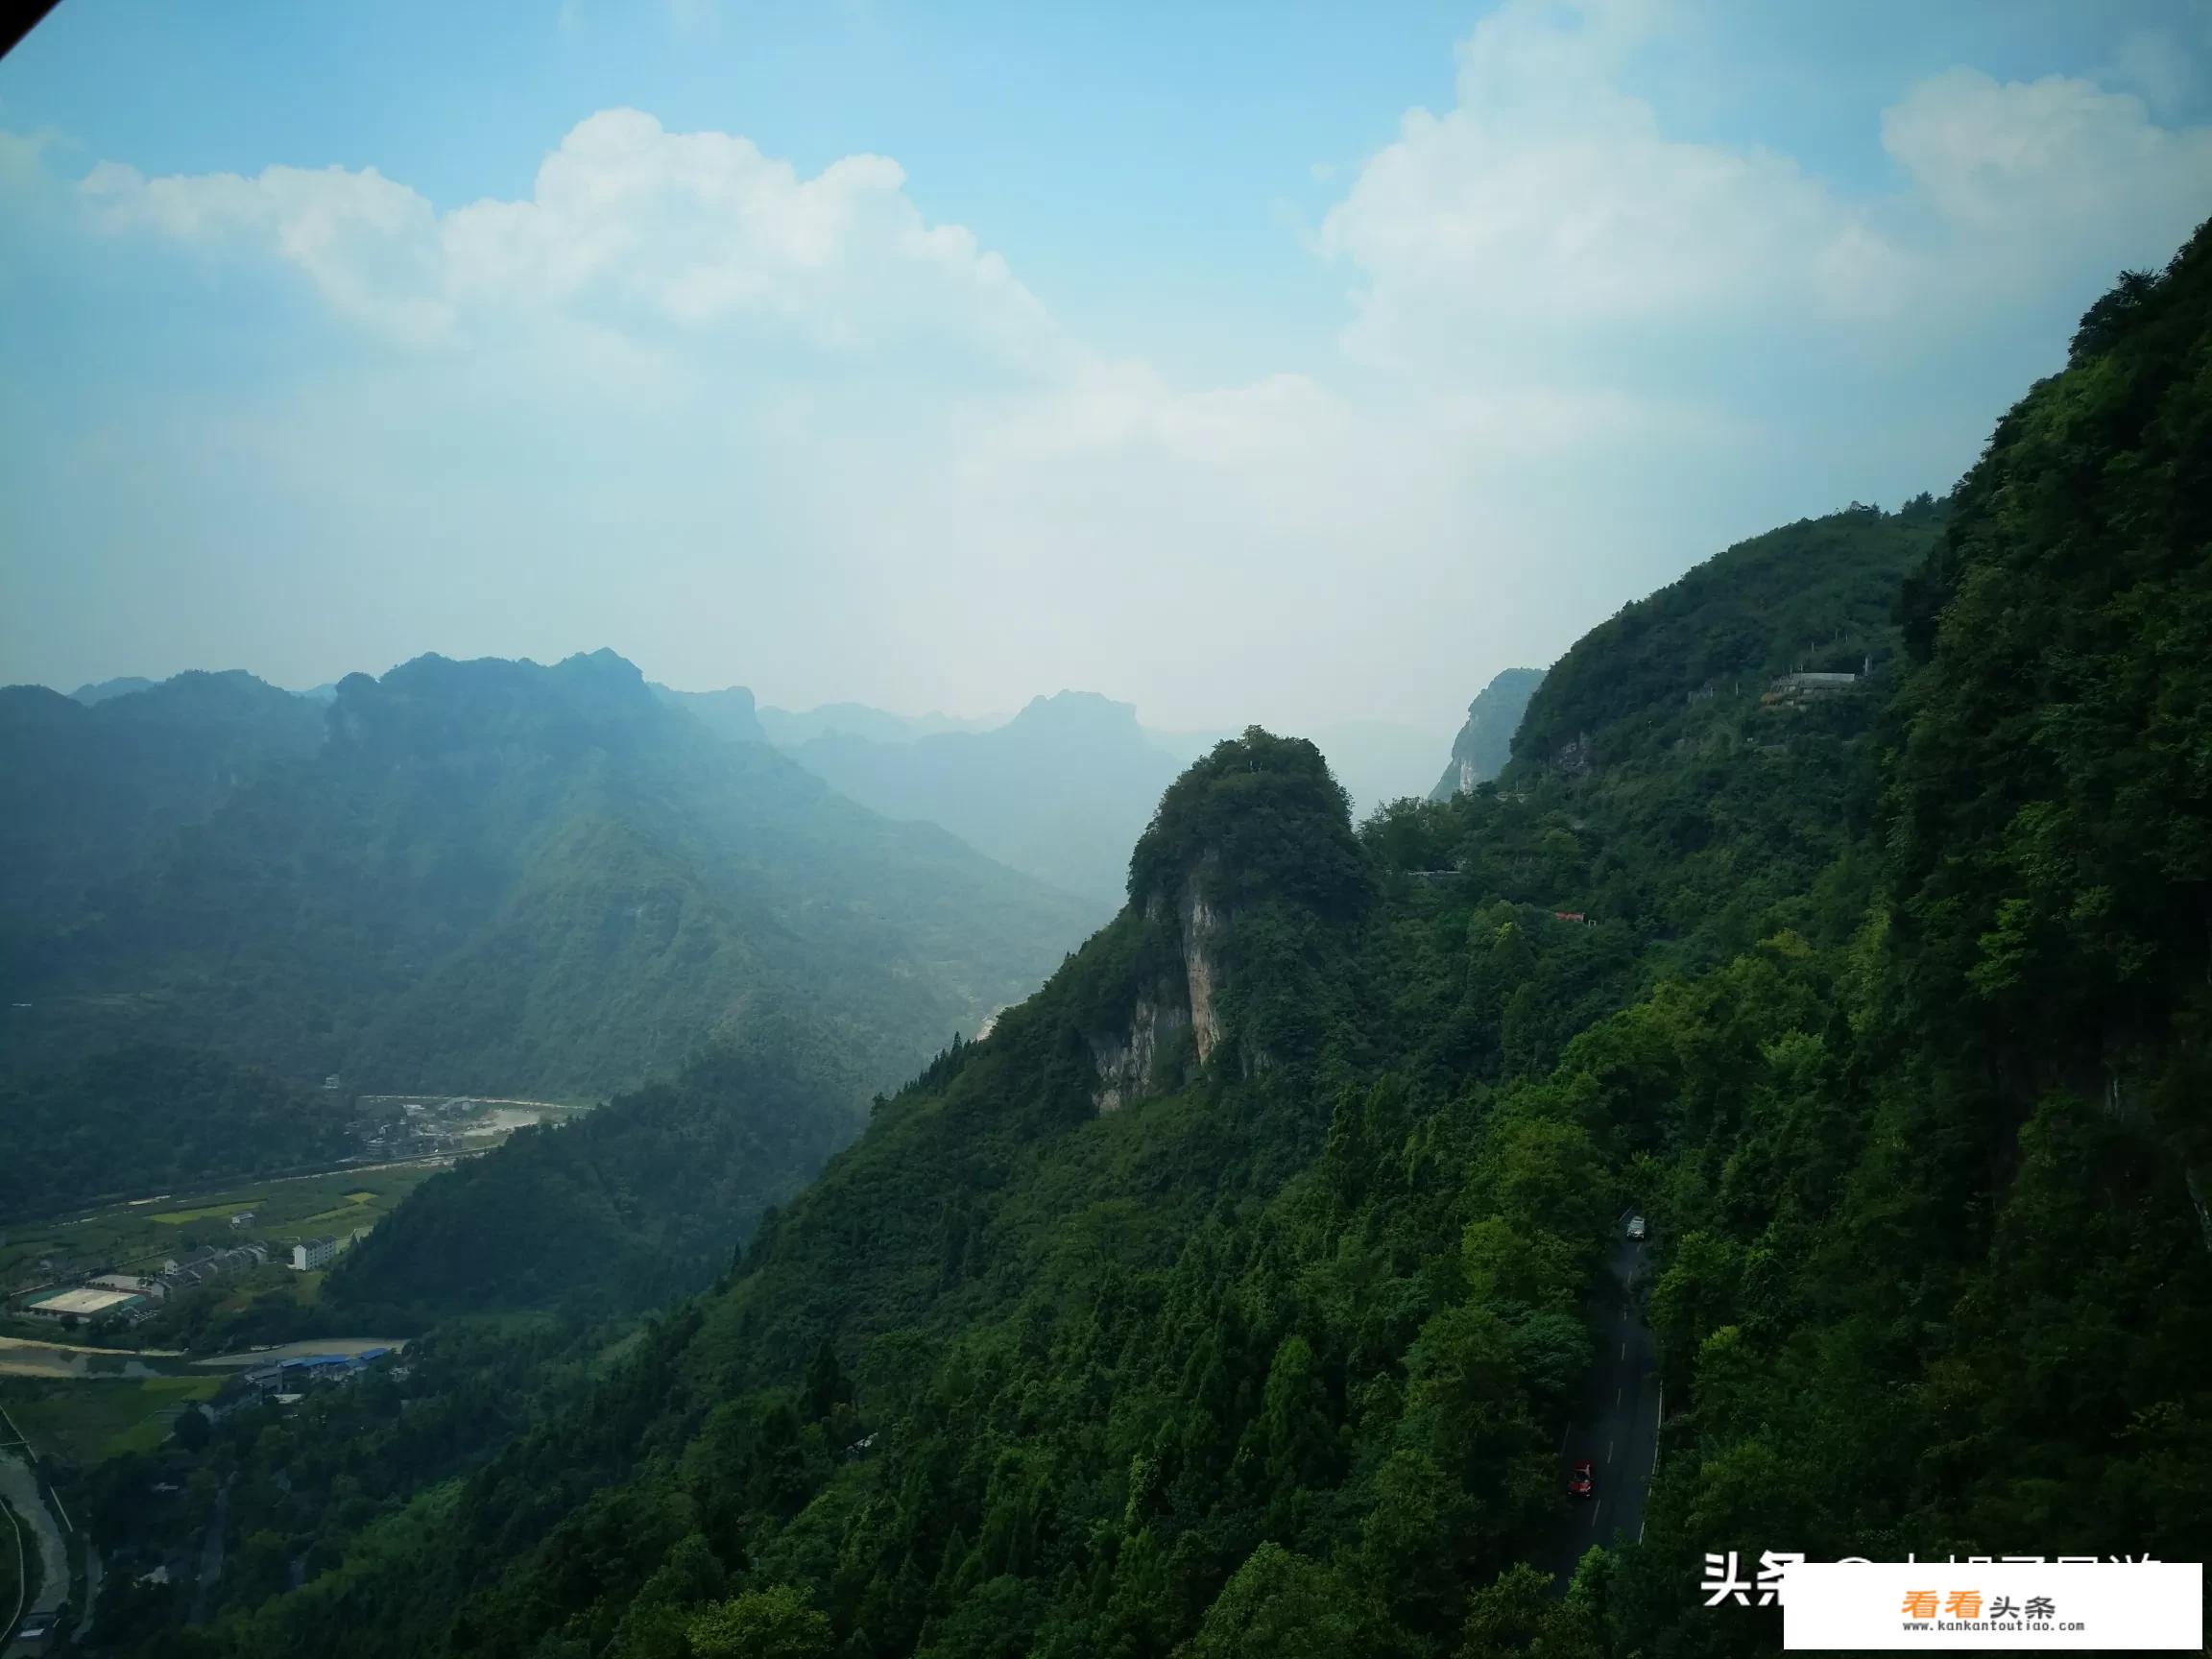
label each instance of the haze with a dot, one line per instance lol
(1238, 370)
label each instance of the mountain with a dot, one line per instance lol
(503, 878)
(728, 713)
(89, 791)
(100, 690)
(1485, 743)
(1376, 760)
(788, 729)
(1060, 791)
(1242, 1291)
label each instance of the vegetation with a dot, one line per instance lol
(498, 876)
(150, 1116)
(95, 784)
(1890, 1017)
(634, 1204)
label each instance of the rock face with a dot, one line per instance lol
(1129, 1065)
(1144, 1059)
(1485, 743)
(1201, 969)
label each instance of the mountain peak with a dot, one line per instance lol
(1083, 712)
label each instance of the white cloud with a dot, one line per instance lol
(2022, 165)
(848, 453)
(628, 223)
(1550, 215)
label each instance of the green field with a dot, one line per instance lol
(207, 1213)
(137, 1236)
(85, 1420)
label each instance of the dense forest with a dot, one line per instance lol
(635, 1204)
(502, 878)
(1228, 1299)
(147, 1118)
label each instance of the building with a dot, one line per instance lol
(244, 1218)
(86, 1302)
(313, 1254)
(1799, 687)
(203, 1266)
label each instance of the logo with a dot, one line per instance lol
(2012, 1603)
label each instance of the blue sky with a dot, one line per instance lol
(1275, 362)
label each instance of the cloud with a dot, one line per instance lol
(1551, 217)
(629, 224)
(760, 424)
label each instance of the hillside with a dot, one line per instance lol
(1231, 1297)
(93, 786)
(505, 878)
(1485, 743)
(1059, 791)
(148, 1119)
(632, 1204)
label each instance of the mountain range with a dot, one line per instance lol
(1840, 910)
(487, 876)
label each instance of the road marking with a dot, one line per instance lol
(1624, 1348)
(1608, 1451)
(1616, 1394)
(1594, 1508)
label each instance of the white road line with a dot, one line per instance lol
(1616, 1394)
(1608, 1451)
(1624, 1348)
(1594, 1508)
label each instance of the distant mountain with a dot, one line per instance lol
(91, 786)
(787, 728)
(102, 690)
(1485, 743)
(728, 713)
(497, 876)
(1059, 791)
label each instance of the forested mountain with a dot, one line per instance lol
(504, 878)
(632, 1204)
(91, 786)
(1059, 791)
(1229, 1298)
(143, 1118)
(1485, 743)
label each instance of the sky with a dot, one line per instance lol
(1288, 363)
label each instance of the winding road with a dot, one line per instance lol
(1616, 1426)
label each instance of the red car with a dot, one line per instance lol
(1578, 1484)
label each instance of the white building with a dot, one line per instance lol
(314, 1252)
